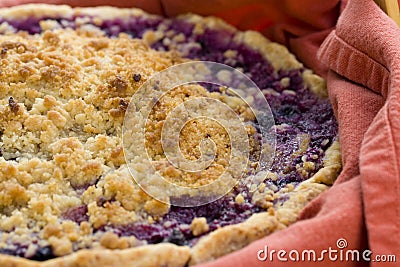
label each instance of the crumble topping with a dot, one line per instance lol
(67, 94)
(64, 96)
(191, 135)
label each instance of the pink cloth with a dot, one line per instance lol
(361, 60)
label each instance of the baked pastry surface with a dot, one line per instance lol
(68, 197)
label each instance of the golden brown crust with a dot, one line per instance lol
(64, 11)
(233, 237)
(146, 256)
(223, 240)
(36, 11)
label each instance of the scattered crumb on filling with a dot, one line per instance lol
(199, 226)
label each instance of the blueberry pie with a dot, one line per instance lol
(70, 136)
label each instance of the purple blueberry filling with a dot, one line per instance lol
(41, 254)
(303, 112)
(78, 214)
(174, 227)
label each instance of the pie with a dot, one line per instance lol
(75, 142)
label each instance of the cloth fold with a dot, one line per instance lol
(367, 52)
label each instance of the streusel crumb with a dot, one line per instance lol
(199, 226)
(64, 97)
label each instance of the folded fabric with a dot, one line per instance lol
(361, 61)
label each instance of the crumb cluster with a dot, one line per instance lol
(64, 95)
